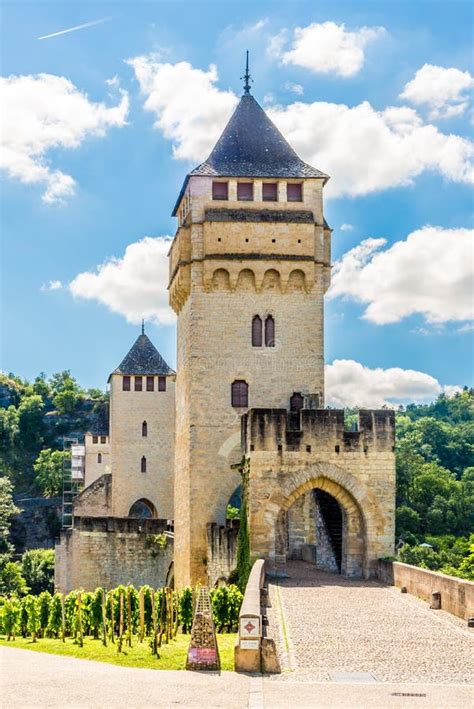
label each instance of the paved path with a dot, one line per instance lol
(335, 625)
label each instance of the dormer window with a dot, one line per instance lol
(270, 192)
(245, 191)
(294, 191)
(220, 190)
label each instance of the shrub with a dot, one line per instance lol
(11, 617)
(38, 569)
(44, 601)
(186, 609)
(12, 580)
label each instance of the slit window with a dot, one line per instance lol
(143, 464)
(150, 383)
(99, 457)
(269, 332)
(294, 192)
(144, 429)
(257, 331)
(126, 383)
(270, 192)
(220, 190)
(245, 191)
(138, 383)
(161, 383)
(240, 393)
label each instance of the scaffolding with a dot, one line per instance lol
(73, 477)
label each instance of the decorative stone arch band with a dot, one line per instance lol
(363, 521)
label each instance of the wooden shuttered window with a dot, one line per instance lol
(257, 339)
(126, 383)
(161, 383)
(103, 439)
(294, 192)
(245, 191)
(138, 383)
(95, 439)
(150, 383)
(220, 190)
(269, 331)
(270, 192)
(240, 393)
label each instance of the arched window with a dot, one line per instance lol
(296, 401)
(240, 393)
(99, 457)
(256, 331)
(142, 509)
(144, 429)
(269, 332)
(143, 464)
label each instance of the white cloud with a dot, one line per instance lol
(42, 112)
(135, 285)
(326, 47)
(347, 227)
(295, 88)
(190, 110)
(349, 383)
(365, 150)
(429, 273)
(443, 91)
(51, 285)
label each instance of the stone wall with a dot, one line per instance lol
(221, 551)
(111, 551)
(291, 454)
(457, 595)
(96, 499)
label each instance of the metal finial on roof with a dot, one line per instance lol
(143, 326)
(246, 77)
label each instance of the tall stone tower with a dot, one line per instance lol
(249, 267)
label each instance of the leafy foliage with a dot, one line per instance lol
(37, 566)
(48, 468)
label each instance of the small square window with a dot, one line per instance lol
(220, 190)
(150, 383)
(138, 383)
(294, 192)
(103, 439)
(126, 383)
(270, 192)
(95, 439)
(245, 191)
(161, 383)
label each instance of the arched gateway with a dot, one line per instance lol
(319, 493)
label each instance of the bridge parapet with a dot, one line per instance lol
(299, 431)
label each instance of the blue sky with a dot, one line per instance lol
(394, 174)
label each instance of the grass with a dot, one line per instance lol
(172, 656)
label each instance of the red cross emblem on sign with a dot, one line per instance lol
(249, 627)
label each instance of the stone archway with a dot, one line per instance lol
(362, 519)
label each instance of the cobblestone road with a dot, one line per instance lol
(332, 624)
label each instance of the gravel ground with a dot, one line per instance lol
(332, 624)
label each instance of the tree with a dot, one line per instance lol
(407, 520)
(30, 421)
(11, 579)
(66, 392)
(49, 471)
(37, 566)
(7, 510)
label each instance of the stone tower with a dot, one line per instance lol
(249, 267)
(142, 431)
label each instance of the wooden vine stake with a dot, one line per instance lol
(154, 645)
(63, 619)
(104, 620)
(141, 608)
(79, 619)
(176, 611)
(120, 637)
(112, 618)
(129, 617)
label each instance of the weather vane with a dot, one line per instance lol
(246, 77)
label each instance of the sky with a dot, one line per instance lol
(101, 123)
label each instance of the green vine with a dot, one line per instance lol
(243, 541)
(157, 543)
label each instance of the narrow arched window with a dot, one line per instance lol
(296, 401)
(143, 468)
(144, 429)
(99, 457)
(256, 331)
(240, 393)
(269, 331)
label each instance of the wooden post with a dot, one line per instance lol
(154, 647)
(120, 639)
(104, 620)
(112, 618)
(129, 618)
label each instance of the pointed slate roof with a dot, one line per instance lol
(143, 358)
(252, 146)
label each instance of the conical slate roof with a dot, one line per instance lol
(143, 358)
(252, 146)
